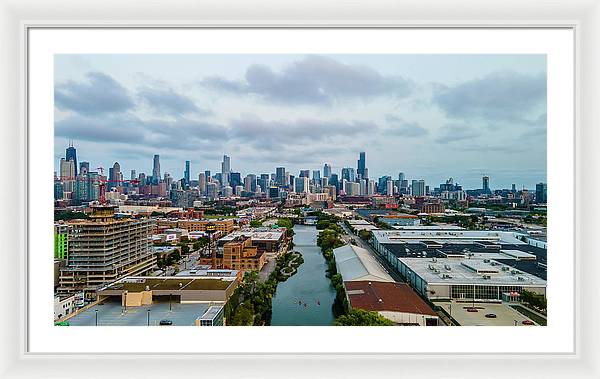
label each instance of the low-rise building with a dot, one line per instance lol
(395, 301)
(354, 263)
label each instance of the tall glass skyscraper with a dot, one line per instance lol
(361, 165)
(156, 169)
(71, 155)
(186, 173)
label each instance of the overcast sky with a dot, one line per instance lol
(430, 116)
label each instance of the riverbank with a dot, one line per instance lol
(251, 303)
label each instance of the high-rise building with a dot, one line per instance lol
(389, 188)
(361, 165)
(235, 179)
(104, 249)
(67, 174)
(418, 187)
(514, 188)
(486, 184)
(84, 167)
(326, 170)
(71, 155)
(248, 183)
(225, 170)
(186, 173)
(212, 190)
(156, 169)
(133, 175)
(264, 181)
(541, 193)
(280, 176)
(202, 183)
(302, 184)
(401, 177)
(334, 181)
(348, 174)
(304, 174)
(316, 176)
(115, 177)
(351, 188)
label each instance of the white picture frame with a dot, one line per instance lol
(18, 17)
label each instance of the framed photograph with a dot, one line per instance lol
(368, 191)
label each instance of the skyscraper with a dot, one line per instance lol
(541, 193)
(326, 170)
(361, 165)
(225, 170)
(280, 176)
(67, 174)
(348, 174)
(186, 173)
(156, 169)
(486, 184)
(133, 175)
(304, 174)
(235, 179)
(202, 183)
(71, 155)
(84, 167)
(316, 176)
(401, 177)
(418, 187)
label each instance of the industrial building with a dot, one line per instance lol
(103, 249)
(354, 263)
(395, 301)
(467, 279)
(426, 242)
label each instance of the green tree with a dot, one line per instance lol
(256, 223)
(185, 249)
(244, 314)
(360, 317)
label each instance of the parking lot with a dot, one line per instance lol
(505, 315)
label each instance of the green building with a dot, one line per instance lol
(61, 241)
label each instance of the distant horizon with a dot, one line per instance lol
(430, 116)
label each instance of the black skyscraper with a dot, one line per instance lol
(72, 155)
(361, 165)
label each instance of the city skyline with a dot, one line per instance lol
(476, 114)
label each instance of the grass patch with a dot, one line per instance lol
(526, 312)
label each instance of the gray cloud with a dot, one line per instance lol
(502, 97)
(456, 132)
(400, 127)
(167, 101)
(180, 133)
(313, 80)
(274, 134)
(99, 94)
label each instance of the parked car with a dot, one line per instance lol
(528, 322)
(165, 322)
(491, 315)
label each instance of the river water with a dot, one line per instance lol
(309, 285)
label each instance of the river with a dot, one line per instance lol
(309, 285)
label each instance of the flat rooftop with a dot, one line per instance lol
(505, 315)
(455, 271)
(110, 313)
(173, 283)
(271, 235)
(443, 235)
